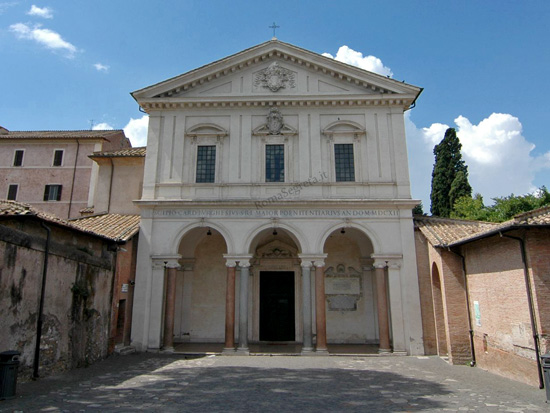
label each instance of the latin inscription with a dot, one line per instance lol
(342, 285)
(276, 213)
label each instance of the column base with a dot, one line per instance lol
(165, 350)
(307, 351)
(384, 351)
(242, 351)
(400, 352)
(321, 352)
(228, 351)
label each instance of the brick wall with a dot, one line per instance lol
(426, 298)
(538, 258)
(503, 340)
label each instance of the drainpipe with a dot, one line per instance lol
(530, 301)
(41, 306)
(74, 175)
(473, 362)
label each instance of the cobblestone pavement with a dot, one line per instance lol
(167, 383)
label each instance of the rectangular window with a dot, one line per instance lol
(345, 165)
(206, 163)
(18, 158)
(52, 193)
(12, 192)
(275, 163)
(58, 157)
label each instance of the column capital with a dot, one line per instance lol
(230, 263)
(165, 261)
(384, 260)
(394, 265)
(242, 260)
(319, 263)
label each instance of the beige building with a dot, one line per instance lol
(51, 170)
(276, 207)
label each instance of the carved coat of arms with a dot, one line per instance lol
(274, 121)
(275, 77)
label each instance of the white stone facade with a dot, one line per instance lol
(330, 237)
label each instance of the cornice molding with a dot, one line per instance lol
(403, 101)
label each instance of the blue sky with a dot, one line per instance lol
(484, 67)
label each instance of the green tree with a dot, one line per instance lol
(503, 209)
(459, 188)
(418, 209)
(472, 208)
(448, 165)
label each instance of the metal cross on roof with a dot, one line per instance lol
(274, 27)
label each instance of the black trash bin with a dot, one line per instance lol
(546, 370)
(9, 364)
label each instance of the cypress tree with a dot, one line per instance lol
(449, 176)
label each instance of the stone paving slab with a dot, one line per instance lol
(168, 383)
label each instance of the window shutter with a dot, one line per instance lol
(59, 187)
(58, 158)
(18, 158)
(12, 192)
(46, 192)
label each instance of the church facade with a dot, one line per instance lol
(276, 207)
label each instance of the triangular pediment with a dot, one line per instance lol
(274, 70)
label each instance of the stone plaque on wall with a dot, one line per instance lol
(342, 302)
(342, 285)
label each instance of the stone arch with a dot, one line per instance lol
(299, 239)
(199, 306)
(225, 233)
(351, 313)
(375, 241)
(439, 311)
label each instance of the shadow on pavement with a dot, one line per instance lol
(174, 384)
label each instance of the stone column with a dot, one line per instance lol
(307, 346)
(230, 308)
(155, 302)
(321, 317)
(170, 306)
(396, 307)
(243, 307)
(382, 303)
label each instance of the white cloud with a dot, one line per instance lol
(499, 158)
(44, 12)
(136, 130)
(102, 126)
(101, 67)
(370, 63)
(45, 37)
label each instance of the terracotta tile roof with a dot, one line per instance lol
(58, 134)
(115, 226)
(19, 208)
(128, 152)
(446, 232)
(539, 216)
